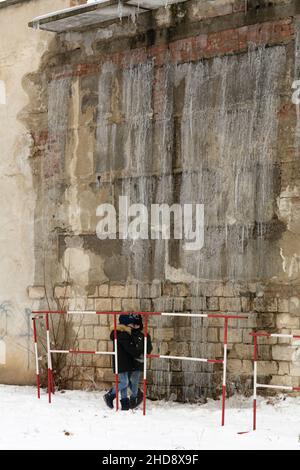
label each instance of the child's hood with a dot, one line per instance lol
(123, 328)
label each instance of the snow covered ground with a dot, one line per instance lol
(80, 420)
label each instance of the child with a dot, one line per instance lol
(129, 349)
(138, 362)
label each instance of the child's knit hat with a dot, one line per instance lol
(128, 319)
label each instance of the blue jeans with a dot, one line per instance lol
(134, 380)
(128, 379)
(123, 385)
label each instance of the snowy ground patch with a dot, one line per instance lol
(80, 420)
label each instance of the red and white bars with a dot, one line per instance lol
(78, 351)
(197, 359)
(90, 312)
(223, 361)
(257, 385)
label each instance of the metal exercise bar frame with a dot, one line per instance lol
(257, 385)
(146, 356)
(51, 388)
(195, 359)
(169, 314)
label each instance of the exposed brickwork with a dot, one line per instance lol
(195, 48)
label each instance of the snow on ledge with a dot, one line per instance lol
(95, 11)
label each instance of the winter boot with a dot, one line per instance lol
(136, 401)
(125, 404)
(132, 403)
(140, 397)
(109, 399)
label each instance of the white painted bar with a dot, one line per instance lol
(81, 312)
(255, 381)
(279, 387)
(184, 358)
(36, 359)
(224, 364)
(49, 351)
(63, 351)
(199, 315)
(105, 353)
(145, 357)
(279, 335)
(116, 357)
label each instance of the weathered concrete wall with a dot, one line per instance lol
(20, 53)
(188, 104)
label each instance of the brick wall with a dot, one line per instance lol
(189, 337)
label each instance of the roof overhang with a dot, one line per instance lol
(101, 11)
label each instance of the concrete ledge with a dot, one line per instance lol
(84, 16)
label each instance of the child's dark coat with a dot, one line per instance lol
(138, 337)
(128, 349)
